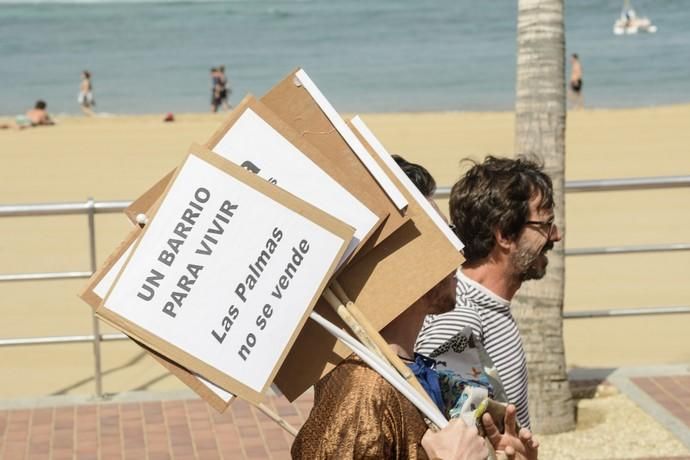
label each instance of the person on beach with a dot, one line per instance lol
(225, 90)
(357, 414)
(216, 89)
(85, 98)
(502, 210)
(575, 90)
(37, 116)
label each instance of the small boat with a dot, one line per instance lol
(629, 23)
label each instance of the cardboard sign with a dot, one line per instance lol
(254, 138)
(225, 274)
(383, 283)
(336, 120)
(382, 154)
(292, 101)
(97, 288)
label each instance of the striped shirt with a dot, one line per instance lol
(493, 324)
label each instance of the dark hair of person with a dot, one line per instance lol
(494, 195)
(87, 74)
(40, 104)
(576, 56)
(419, 176)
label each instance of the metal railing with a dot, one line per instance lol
(91, 208)
(617, 185)
(619, 312)
(610, 185)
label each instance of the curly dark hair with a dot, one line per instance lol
(495, 195)
(419, 176)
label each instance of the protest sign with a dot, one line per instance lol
(416, 259)
(97, 288)
(383, 283)
(256, 139)
(299, 103)
(225, 274)
(361, 129)
(253, 137)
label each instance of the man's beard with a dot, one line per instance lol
(526, 262)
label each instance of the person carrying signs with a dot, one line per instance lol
(357, 414)
(502, 210)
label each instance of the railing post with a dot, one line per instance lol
(91, 208)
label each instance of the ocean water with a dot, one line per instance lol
(382, 55)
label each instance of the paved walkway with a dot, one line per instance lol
(170, 429)
(184, 427)
(661, 391)
(670, 392)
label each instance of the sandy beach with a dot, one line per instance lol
(117, 158)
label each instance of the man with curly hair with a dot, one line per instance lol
(502, 210)
(358, 415)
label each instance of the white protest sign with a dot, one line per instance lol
(388, 160)
(103, 286)
(225, 274)
(253, 144)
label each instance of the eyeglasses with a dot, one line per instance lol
(548, 224)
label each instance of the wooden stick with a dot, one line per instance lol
(379, 341)
(381, 366)
(374, 343)
(351, 322)
(277, 418)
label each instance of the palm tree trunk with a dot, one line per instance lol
(540, 111)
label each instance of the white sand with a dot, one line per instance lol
(118, 158)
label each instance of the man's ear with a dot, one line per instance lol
(502, 241)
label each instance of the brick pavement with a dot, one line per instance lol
(190, 429)
(671, 392)
(154, 430)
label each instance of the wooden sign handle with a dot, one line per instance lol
(278, 419)
(375, 337)
(351, 322)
